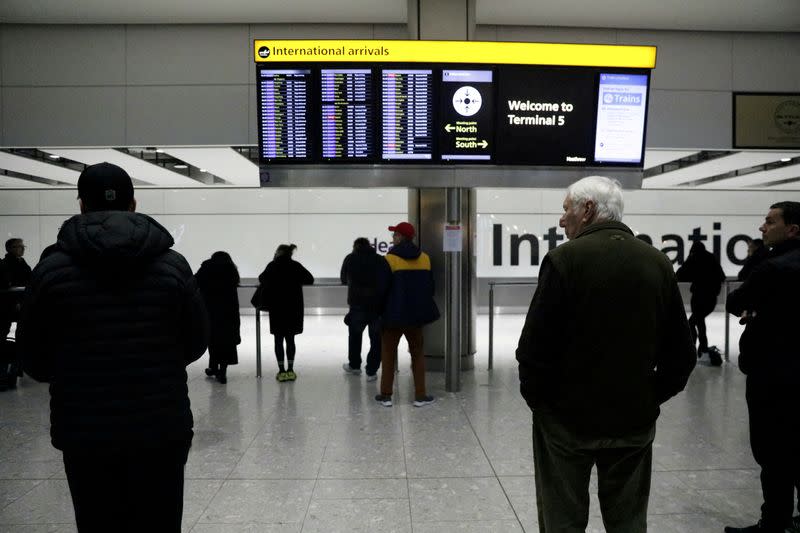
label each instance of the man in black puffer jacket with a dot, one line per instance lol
(111, 319)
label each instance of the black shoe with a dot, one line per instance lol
(714, 356)
(210, 372)
(755, 528)
(749, 529)
(384, 399)
(423, 401)
(222, 378)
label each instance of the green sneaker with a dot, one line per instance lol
(290, 375)
(281, 376)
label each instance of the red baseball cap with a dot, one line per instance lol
(405, 229)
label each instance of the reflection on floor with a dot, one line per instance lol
(320, 455)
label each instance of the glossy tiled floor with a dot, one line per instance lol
(320, 455)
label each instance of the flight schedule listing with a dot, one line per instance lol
(407, 109)
(347, 113)
(284, 97)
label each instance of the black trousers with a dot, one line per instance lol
(127, 491)
(702, 306)
(357, 321)
(563, 465)
(774, 433)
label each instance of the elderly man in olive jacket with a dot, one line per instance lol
(605, 342)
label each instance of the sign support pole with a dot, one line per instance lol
(453, 289)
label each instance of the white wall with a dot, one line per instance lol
(656, 213)
(250, 223)
(247, 223)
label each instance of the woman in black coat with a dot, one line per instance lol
(218, 280)
(282, 296)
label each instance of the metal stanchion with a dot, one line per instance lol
(727, 323)
(258, 343)
(492, 285)
(491, 325)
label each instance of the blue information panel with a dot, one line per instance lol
(347, 112)
(284, 100)
(407, 109)
(621, 109)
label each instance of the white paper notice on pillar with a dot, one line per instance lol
(452, 239)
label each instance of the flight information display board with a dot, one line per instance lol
(407, 112)
(347, 114)
(452, 114)
(284, 98)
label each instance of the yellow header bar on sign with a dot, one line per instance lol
(480, 52)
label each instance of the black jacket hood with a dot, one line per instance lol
(406, 250)
(119, 237)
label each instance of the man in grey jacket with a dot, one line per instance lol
(111, 319)
(605, 342)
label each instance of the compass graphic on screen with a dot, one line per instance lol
(467, 101)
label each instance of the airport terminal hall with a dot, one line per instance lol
(413, 266)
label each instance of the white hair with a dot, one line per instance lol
(606, 193)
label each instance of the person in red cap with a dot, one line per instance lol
(406, 292)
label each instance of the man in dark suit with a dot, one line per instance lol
(767, 303)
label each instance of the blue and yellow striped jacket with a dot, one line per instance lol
(407, 288)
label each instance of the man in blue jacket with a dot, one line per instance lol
(111, 318)
(406, 290)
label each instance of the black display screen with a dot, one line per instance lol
(546, 116)
(495, 114)
(408, 113)
(347, 114)
(466, 111)
(284, 98)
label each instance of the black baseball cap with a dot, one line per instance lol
(105, 187)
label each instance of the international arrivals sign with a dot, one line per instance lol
(476, 52)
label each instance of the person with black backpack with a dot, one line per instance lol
(703, 270)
